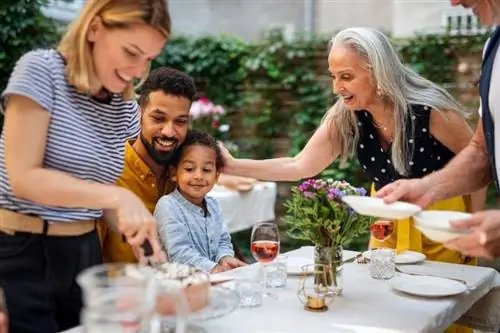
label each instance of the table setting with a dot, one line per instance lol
(319, 288)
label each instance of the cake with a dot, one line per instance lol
(174, 277)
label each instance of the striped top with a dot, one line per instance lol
(86, 137)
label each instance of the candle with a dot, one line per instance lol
(316, 303)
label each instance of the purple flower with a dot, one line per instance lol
(308, 194)
(334, 193)
(302, 187)
(361, 191)
(319, 184)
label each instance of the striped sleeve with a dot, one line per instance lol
(32, 78)
(135, 122)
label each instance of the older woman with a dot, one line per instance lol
(68, 113)
(397, 123)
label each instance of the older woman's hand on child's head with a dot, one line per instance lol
(227, 158)
(229, 263)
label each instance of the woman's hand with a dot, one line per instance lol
(227, 158)
(136, 223)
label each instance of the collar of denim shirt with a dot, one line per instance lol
(205, 212)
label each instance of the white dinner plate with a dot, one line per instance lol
(435, 224)
(406, 257)
(426, 286)
(294, 264)
(376, 207)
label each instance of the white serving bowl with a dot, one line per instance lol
(376, 207)
(435, 224)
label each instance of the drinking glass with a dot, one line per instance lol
(250, 286)
(265, 245)
(276, 274)
(117, 298)
(382, 263)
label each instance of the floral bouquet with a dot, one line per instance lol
(210, 118)
(316, 213)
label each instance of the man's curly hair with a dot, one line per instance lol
(169, 80)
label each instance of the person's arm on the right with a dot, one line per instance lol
(467, 172)
(319, 152)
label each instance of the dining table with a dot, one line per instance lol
(242, 209)
(370, 305)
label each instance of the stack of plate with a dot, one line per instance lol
(435, 224)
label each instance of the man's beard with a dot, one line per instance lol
(161, 158)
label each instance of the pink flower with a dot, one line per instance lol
(218, 110)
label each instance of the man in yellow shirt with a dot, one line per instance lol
(165, 101)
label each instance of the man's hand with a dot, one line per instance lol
(417, 191)
(484, 240)
(228, 263)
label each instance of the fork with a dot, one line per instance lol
(443, 277)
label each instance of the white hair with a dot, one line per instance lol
(400, 86)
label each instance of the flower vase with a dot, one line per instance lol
(331, 257)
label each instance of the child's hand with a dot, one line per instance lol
(229, 263)
(218, 269)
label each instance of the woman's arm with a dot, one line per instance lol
(26, 126)
(454, 132)
(319, 152)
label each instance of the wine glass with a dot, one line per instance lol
(382, 260)
(381, 230)
(265, 245)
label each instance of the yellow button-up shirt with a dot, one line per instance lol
(137, 177)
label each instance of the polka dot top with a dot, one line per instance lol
(429, 154)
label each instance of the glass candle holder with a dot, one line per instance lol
(315, 287)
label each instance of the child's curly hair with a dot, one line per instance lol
(200, 138)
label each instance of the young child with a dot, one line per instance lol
(190, 224)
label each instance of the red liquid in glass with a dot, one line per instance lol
(265, 251)
(381, 229)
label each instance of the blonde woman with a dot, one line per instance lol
(397, 123)
(68, 113)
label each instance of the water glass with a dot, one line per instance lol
(276, 273)
(382, 264)
(117, 298)
(250, 286)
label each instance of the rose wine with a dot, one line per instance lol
(265, 251)
(382, 229)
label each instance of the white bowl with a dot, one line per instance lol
(376, 207)
(435, 224)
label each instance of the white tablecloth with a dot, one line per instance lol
(370, 306)
(241, 210)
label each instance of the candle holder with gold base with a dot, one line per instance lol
(315, 289)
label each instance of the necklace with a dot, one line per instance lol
(382, 127)
(388, 137)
